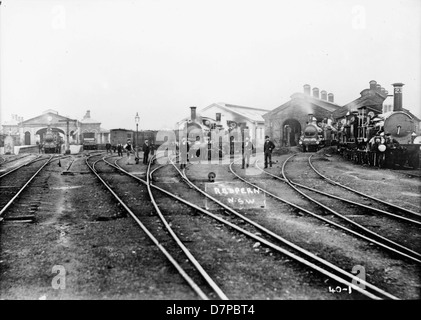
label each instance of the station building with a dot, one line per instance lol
(30, 132)
(285, 123)
(228, 116)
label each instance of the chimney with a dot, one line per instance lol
(373, 85)
(316, 93)
(193, 113)
(397, 96)
(307, 89)
(310, 118)
(218, 117)
(323, 95)
(330, 97)
(87, 115)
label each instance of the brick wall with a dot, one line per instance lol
(296, 110)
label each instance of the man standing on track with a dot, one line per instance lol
(184, 152)
(246, 151)
(129, 150)
(267, 148)
(146, 149)
(120, 150)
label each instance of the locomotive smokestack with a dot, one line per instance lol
(323, 95)
(316, 93)
(378, 88)
(193, 113)
(330, 97)
(310, 118)
(307, 89)
(373, 84)
(397, 96)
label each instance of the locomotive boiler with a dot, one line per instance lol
(312, 138)
(51, 143)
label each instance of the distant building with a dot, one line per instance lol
(289, 119)
(230, 116)
(31, 131)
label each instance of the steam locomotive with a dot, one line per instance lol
(383, 139)
(52, 142)
(312, 139)
(317, 135)
(209, 138)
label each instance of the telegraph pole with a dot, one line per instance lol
(67, 134)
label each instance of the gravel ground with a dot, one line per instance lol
(105, 255)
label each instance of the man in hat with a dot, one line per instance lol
(392, 151)
(146, 150)
(184, 149)
(247, 149)
(129, 150)
(267, 149)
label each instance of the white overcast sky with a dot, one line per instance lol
(160, 57)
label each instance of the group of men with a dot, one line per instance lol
(247, 151)
(185, 152)
(391, 149)
(129, 149)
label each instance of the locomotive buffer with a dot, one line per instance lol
(67, 134)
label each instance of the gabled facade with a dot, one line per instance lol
(31, 131)
(229, 115)
(285, 123)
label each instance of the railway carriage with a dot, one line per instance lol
(89, 141)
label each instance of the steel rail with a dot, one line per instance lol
(22, 165)
(417, 255)
(270, 233)
(3, 210)
(360, 193)
(327, 220)
(186, 251)
(180, 270)
(340, 198)
(15, 159)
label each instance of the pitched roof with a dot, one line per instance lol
(366, 100)
(53, 114)
(253, 114)
(89, 120)
(329, 106)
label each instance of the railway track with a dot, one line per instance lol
(15, 181)
(389, 204)
(295, 252)
(305, 207)
(361, 205)
(4, 160)
(174, 250)
(6, 170)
